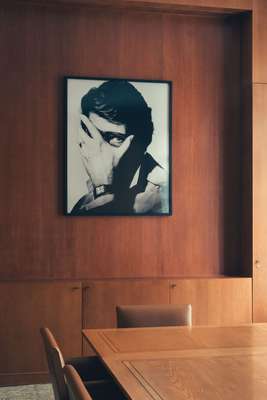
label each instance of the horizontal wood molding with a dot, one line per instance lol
(24, 379)
(170, 5)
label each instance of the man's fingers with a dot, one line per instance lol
(124, 147)
(83, 138)
(91, 128)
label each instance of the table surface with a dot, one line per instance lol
(186, 363)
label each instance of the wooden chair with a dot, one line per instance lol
(153, 315)
(90, 369)
(76, 388)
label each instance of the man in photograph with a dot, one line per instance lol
(116, 129)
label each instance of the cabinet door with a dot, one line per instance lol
(100, 299)
(24, 308)
(259, 203)
(259, 41)
(222, 301)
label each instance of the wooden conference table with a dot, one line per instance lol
(182, 363)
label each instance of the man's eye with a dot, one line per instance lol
(116, 142)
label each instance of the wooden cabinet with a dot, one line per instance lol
(222, 301)
(215, 301)
(24, 308)
(260, 203)
(100, 298)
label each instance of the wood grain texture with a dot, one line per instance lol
(259, 203)
(203, 236)
(100, 299)
(215, 301)
(182, 363)
(259, 41)
(179, 378)
(121, 343)
(24, 308)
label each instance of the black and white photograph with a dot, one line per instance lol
(118, 147)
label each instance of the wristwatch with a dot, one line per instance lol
(101, 190)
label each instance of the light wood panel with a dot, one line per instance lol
(229, 376)
(137, 342)
(182, 362)
(24, 308)
(198, 239)
(259, 41)
(259, 203)
(215, 301)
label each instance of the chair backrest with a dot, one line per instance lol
(56, 363)
(153, 315)
(76, 388)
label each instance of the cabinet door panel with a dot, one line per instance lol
(259, 41)
(259, 203)
(101, 297)
(222, 301)
(24, 308)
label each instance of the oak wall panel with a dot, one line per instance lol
(259, 41)
(215, 301)
(259, 203)
(24, 308)
(52, 42)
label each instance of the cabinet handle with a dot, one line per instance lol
(173, 285)
(257, 264)
(75, 288)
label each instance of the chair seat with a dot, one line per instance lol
(101, 390)
(90, 368)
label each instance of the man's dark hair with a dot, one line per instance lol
(121, 103)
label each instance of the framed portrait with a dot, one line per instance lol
(118, 147)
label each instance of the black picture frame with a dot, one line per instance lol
(139, 182)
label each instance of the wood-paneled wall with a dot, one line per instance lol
(203, 56)
(40, 44)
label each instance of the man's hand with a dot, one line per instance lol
(99, 157)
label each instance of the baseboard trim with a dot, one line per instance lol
(24, 378)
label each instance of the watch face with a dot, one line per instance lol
(100, 190)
